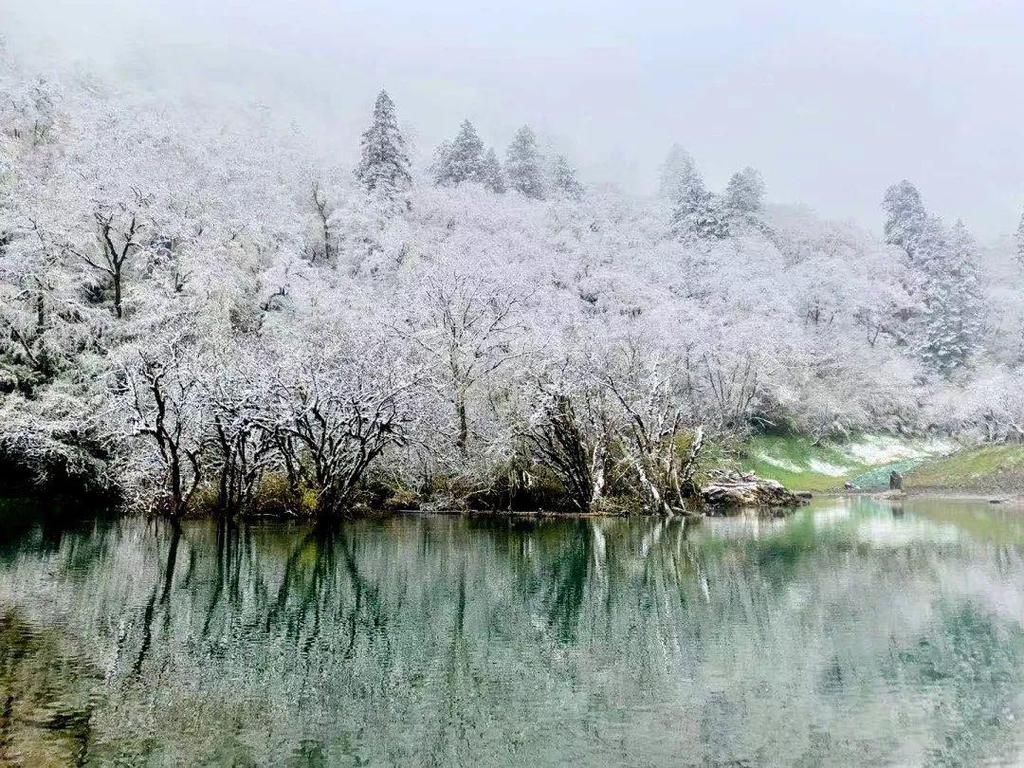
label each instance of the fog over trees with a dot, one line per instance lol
(196, 308)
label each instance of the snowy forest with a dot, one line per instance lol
(200, 313)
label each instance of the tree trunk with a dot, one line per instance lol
(460, 409)
(117, 292)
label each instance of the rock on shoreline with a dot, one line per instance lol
(748, 490)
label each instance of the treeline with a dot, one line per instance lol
(356, 423)
(943, 328)
(206, 316)
(385, 168)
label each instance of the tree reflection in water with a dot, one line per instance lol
(846, 635)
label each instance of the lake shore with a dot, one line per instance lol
(939, 494)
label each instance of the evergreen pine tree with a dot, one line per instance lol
(492, 174)
(439, 166)
(676, 173)
(952, 320)
(563, 178)
(744, 194)
(928, 248)
(906, 218)
(384, 166)
(463, 159)
(698, 212)
(523, 164)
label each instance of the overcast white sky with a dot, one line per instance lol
(832, 101)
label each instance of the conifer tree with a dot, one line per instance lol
(439, 164)
(523, 164)
(462, 159)
(925, 242)
(952, 320)
(384, 166)
(492, 173)
(698, 212)
(744, 194)
(676, 173)
(906, 218)
(563, 178)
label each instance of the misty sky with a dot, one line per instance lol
(832, 101)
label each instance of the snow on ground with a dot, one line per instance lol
(782, 464)
(865, 456)
(825, 468)
(883, 449)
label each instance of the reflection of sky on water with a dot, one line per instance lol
(832, 514)
(749, 524)
(899, 532)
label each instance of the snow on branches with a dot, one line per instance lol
(200, 311)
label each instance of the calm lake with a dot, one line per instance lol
(855, 633)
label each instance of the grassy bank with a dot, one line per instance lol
(798, 464)
(803, 465)
(998, 468)
(927, 466)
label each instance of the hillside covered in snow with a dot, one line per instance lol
(200, 310)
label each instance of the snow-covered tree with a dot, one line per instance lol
(384, 166)
(563, 178)
(492, 173)
(322, 211)
(166, 403)
(676, 173)
(699, 213)
(744, 194)
(953, 316)
(946, 325)
(906, 217)
(123, 232)
(438, 167)
(523, 164)
(339, 405)
(462, 159)
(470, 326)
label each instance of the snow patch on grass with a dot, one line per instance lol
(782, 464)
(825, 468)
(876, 450)
(865, 461)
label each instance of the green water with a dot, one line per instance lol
(852, 634)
